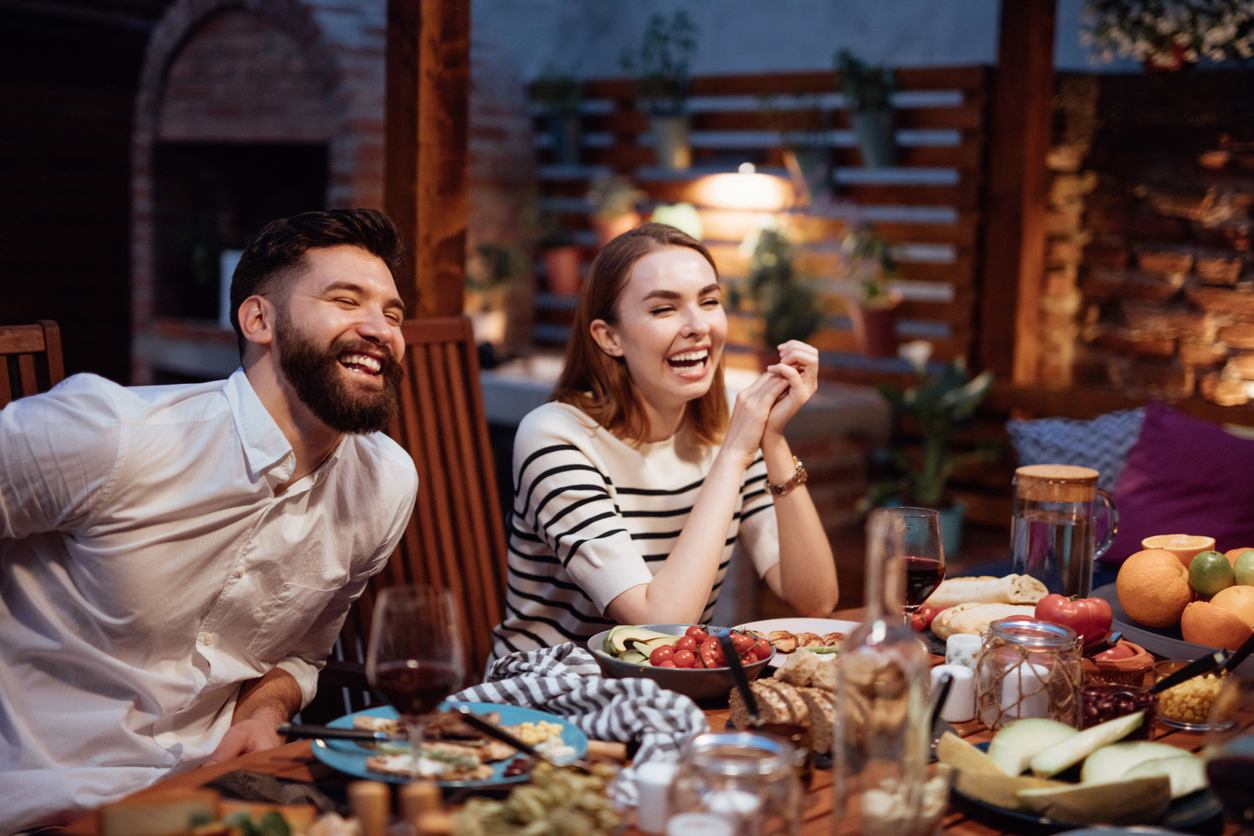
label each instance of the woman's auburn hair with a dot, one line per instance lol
(600, 385)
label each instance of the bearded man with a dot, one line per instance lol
(176, 561)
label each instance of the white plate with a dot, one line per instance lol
(799, 625)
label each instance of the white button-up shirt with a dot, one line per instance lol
(147, 568)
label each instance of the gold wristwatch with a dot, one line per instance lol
(799, 477)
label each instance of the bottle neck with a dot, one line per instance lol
(885, 589)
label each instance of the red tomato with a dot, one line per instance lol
(684, 659)
(1123, 650)
(1089, 617)
(697, 632)
(669, 663)
(711, 654)
(743, 641)
(687, 643)
(762, 649)
(661, 654)
(924, 616)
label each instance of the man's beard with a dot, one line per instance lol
(315, 375)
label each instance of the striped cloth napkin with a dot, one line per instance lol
(565, 680)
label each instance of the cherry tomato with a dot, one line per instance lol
(687, 643)
(743, 641)
(669, 663)
(661, 654)
(762, 649)
(684, 659)
(697, 632)
(711, 653)
(748, 657)
(924, 616)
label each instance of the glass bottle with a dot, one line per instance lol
(880, 751)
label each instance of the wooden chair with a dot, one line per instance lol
(30, 359)
(456, 536)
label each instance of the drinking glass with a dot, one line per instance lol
(1229, 749)
(415, 658)
(913, 535)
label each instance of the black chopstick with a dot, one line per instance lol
(330, 733)
(1197, 667)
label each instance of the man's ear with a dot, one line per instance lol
(606, 337)
(256, 320)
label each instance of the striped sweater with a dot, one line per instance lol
(594, 516)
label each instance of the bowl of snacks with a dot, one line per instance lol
(685, 658)
(1187, 705)
(1103, 702)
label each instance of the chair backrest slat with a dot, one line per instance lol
(30, 359)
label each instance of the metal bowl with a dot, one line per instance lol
(698, 683)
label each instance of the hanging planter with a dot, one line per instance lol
(670, 141)
(663, 85)
(566, 131)
(558, 96)
(868, 100)
(875, 328)
(561, 270)
(876, 133)
(614, 200)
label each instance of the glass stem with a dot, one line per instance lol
(414, 729)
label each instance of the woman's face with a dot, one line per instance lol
(671, 327)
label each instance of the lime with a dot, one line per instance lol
(1243, 569)
(1210, 572)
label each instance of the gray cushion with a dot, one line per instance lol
(1102, 443)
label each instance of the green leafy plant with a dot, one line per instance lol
(941, 404)
(495, 266)
(865, 88)
(551, 233)
(613, 196)
(789, 303)
(871, 264)
(663, 83)
(557, 93)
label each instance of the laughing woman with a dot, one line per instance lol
(633, 485)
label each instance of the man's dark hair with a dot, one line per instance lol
(275, 255)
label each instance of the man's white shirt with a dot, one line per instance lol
(147, 568)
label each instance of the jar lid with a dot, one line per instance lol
(739, 753)
(1056, 483)
(1032, 632)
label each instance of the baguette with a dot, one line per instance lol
(778, 702)
(972, 617)
(1011, 589)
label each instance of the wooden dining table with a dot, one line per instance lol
(296, 762)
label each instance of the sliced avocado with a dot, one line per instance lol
(616, 641)
(649, 645)
(634, 657)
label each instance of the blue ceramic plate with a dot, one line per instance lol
(1186, 812)
(350, 757)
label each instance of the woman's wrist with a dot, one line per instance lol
(778, 457)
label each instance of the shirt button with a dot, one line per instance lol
(206, 639)
(238, 573)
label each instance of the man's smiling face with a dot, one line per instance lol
(339, 339)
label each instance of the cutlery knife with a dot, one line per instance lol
(493, 730)
(330, 733)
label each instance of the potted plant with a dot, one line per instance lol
(868, 100)
(491, 273)
(789, 303)
(873, 305)
(558, 95)
(559, 256)
(941, 403)
(663, 85)
(614, 200)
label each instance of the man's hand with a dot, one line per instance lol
(244, 737)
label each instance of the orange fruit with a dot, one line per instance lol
(1238, 600)
(1207, 624)
(1153, 587)
(1183, 546)
(1233, 554)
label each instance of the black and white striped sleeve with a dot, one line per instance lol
(563, 500)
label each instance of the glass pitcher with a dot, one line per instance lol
(1053, 532)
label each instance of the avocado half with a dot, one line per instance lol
(616, 642)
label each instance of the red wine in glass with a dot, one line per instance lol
(923, 575)
(1232, 779)
(415, 688)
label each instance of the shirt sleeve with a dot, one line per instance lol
(59, 452)
(309, 655)
(759, 528)
(563, 499)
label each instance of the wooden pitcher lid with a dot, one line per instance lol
(1056, 483)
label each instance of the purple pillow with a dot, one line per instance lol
(1184, 476)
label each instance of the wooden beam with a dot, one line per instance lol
(428, 104)
(1015, 208)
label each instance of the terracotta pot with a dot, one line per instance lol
(561, 270)
(608, 230)
(875, 329)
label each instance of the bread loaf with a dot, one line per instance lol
(778, 702)
(972, 618)
(821, 705)
(1011, 589)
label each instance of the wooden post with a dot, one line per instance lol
(1014, 232)
(428, 105)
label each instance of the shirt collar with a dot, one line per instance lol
(265, 446)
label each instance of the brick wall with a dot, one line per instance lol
(1162, 255)
(256, 71)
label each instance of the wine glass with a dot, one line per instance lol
(1229, 749)
(415, 658)
(913, 535)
